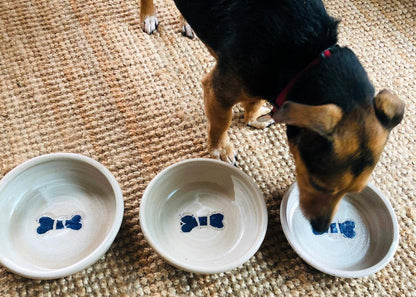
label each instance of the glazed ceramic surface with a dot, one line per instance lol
(203, 216)
(59, 213)
(360, 241)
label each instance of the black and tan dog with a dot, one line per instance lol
(284, 52)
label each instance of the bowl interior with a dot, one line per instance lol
(54, 213)
(361, 239)
(203, 216)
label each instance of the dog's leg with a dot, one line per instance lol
(148, 19)
(256, 114)
(186, 28)
(219, 114)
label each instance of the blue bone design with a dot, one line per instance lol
(189, 222)
(346, 228)
(47, 224)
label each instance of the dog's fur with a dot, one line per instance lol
(336, 127)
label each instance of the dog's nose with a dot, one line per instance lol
(320, 224)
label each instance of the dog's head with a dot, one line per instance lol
(335, 151)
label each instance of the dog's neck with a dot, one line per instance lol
(281, 98)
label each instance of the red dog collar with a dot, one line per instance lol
(283, 94)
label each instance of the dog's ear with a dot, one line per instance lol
(322, 118)
(389, 109)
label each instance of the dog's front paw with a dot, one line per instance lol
(149, 24)
(225, 153)
(263, 121)
(187, 31)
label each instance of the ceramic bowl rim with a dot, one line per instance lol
(334, 271)
(195, 268)
(106, 242)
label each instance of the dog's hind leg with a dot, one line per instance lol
(186, 28)
(256, 114)
(148, 19)
(218, 109)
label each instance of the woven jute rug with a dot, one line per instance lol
(82, 77)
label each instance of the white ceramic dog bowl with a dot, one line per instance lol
(203, 216)
(59, 213)
(361, 240)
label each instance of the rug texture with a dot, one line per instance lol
(82, 77)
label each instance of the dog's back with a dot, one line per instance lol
(268, 41)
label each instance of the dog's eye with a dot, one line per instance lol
(317, 186)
